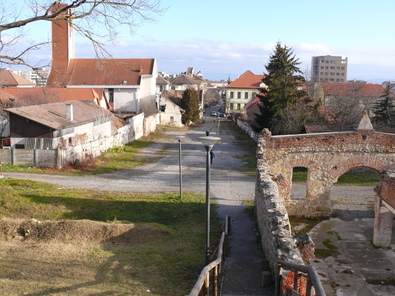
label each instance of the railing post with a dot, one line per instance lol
(206, 289)
(215, 281)
(308, 287)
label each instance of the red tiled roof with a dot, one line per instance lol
(251, 103)
(8, 77)
(102, 72)
(54, 94)
(247, 80)
(347, 89)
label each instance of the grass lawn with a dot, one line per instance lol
(361, 177)
(165, 259)
(125, 157)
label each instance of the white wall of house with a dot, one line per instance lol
(172, 115)
(148, 91)
(186, 86)
(137, 123)
(126, 99)
(4, 125)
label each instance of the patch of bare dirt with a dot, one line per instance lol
(77, 231)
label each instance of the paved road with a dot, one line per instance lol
(229, 188)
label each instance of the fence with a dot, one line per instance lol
(213, 270)
(39, 152)
(247, 129)
(301, 279)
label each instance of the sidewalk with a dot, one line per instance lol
(355, 267)
(246, 260)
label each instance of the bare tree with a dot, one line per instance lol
(97, 20)
(347, 102)
(211, 96)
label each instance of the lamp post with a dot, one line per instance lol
(208, 143)
(179, 138)
(218, 122)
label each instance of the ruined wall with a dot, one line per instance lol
(272, 216)
(327, 156)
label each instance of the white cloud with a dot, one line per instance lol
(314, 49)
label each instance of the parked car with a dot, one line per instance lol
(213, 113)
(221, 115)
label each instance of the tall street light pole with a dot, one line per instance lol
(208, 143)
(179, 138)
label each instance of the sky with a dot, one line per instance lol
(226, 38)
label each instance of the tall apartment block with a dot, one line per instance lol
(329, 69)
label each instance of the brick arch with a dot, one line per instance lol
(373, 163)
(302, 162)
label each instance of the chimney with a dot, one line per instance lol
(69, 112)
(62, 40)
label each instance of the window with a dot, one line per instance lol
(111, 95)
(246, 95)
(239, 94)
(238, 107)
(231, 94)
(231, 107)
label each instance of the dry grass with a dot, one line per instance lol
(83, 258)
(98, 243)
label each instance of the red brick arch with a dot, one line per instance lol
(358, 162)
(302, 162)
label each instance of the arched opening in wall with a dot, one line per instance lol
(299, 183)
(353, 194)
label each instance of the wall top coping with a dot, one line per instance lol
(329, 133)
(312, 134)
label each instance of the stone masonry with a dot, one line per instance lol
(272, 216)
(326, 156)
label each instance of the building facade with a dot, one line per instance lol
(241, 91)
(329, 69)
(38, 76)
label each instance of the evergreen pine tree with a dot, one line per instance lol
(385, 109)
(283, 92)
(190, 103)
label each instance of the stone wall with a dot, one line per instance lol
(326, 156)
(272, 216)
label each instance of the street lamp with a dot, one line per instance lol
(179, 138)
(208, 143)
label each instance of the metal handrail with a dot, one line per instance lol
(312, 276)
(202, 285)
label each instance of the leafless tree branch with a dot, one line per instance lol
(97, 20)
